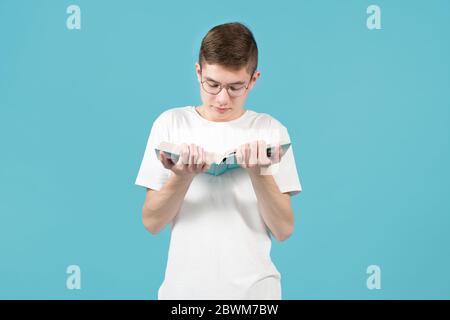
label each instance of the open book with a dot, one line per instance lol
(219, 163)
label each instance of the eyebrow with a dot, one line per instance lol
(238, 82)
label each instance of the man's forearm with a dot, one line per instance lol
(164, 204)
(274, 206)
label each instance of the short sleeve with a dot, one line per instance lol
(285, 172)
(152, 173)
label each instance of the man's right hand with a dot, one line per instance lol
(192, 161)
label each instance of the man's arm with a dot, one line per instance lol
(160, 207)
(274, 206)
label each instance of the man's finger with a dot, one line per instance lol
(201, 158)
(277, 155)
(184, 154)
(238, 156)
(262, 153)
(163, 159)
(253, 153)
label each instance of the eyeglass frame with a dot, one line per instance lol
(227, 86)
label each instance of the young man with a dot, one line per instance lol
(220, 225)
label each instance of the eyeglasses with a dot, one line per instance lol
(233, 90)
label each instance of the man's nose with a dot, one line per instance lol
(223, 98)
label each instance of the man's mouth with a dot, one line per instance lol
(221, 110)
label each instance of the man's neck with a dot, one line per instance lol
(203, 114)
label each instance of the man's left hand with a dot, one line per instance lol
(253, 157)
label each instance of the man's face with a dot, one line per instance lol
(232, 107)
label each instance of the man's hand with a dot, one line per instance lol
(252, 156)
(192, 161)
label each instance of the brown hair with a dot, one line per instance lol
(230, 45)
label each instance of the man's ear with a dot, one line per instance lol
(197, 72)
(255, 77)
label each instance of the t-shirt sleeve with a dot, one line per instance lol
(152, 173)
(285, 172)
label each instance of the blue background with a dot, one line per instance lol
(367, 111)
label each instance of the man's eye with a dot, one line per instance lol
(236, 88)
(213, 85)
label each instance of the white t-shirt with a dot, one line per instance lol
(219, 243)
